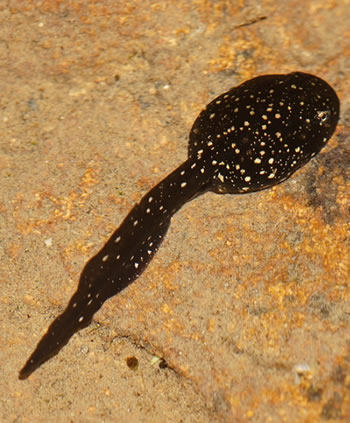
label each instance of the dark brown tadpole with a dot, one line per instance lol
(248, 139)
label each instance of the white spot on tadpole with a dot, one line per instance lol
(136, 265)
(183, 184)
(105, 258)
(117, 239)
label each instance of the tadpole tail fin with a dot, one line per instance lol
(123, 258)
(95, 287)
(57, 336)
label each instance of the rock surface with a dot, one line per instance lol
(243, 315)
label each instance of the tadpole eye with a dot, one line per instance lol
(323, 115)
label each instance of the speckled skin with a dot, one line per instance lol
(252, 137)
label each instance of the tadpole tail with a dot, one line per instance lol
(95, 287)
(57, 336)
(122, 259)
